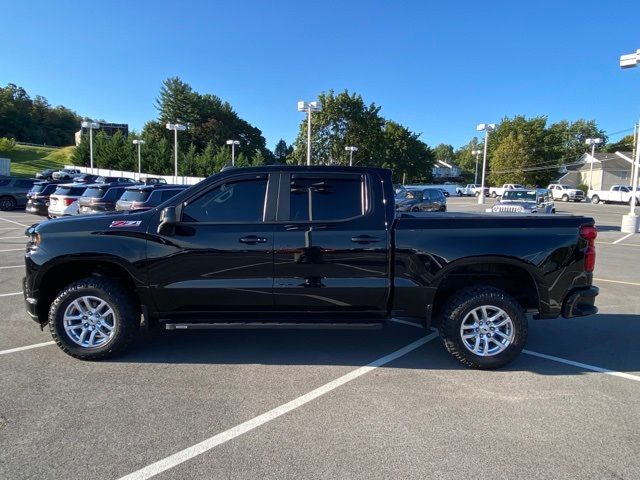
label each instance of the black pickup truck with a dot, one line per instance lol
(306, 247)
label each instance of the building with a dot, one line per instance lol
(608, 169)
(108, 128)
(443, 171)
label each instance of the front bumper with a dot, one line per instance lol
(580, 302)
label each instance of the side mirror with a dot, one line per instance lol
(168, 221)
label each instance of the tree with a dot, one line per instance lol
(282, 151)
(444, 152)
(258, 158)
(176, 101)
(405, 154)
(625, 144)
(467, 160)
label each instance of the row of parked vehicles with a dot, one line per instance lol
(92, 194)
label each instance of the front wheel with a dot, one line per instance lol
(93, 318)
(483, 327)
(494, 194)
(565, 198)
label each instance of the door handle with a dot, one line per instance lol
(364, 239)
(252, 239)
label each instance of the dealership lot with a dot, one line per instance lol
(567, 408)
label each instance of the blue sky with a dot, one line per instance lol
(438, 68)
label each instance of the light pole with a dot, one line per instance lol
(486, 127)
(476, 153)
(91, 126)
(139, 143)
(176, 127)
(630, 221)
(309, 107)
(351, 150)
(593, 142)
(233, 144)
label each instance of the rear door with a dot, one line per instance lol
(331, 244)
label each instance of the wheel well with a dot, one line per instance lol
(514, 280)
(59, 276)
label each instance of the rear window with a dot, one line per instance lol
(135, 195)
(70, 191)
(37, 188)
(94, 192)
(326, 199)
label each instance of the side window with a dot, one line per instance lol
(4, 181)
(167, 194)
(23, 184)
(236, 201)
(326, 199)
(616, 189)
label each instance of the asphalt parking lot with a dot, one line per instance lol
(299, 404)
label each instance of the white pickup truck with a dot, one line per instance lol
(616, 194)
(469, 190)
(566, 193)
(499, 191)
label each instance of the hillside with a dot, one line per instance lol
(26, 160)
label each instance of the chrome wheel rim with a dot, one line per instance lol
(89, 322)
(487, 331)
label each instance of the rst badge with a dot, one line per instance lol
(125, 223)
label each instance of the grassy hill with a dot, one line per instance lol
(26, 160)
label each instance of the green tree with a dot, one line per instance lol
(7, 144)
(444, 152)
(282, 151)
(258, 158)
(625, 144)
(405, 154)
(466, 160)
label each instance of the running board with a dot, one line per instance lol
(275, 325)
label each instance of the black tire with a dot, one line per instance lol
(595, 199)
(415, 209)
(126, 313)
(8, 203)
(460, 193)
(494, 194)
(565, 198)
(461, 304)
(477, 194)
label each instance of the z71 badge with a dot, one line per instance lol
(125, 223)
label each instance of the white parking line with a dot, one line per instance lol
(12, 266)
(10, 294)
(623, 238)
(406, 322)
(616, 281)
(13, 250)
(13, 238)
(11, 221)
(586, 366)
(223, 437)
(27, 347)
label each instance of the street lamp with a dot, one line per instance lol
(233, 144)
(309, 107)
(351, 150)
(176, 127)
(91, 126)
(630, 221)
(593, 142)
(139, 143)
(476, 153)
(486, 127)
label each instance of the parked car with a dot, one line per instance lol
(292, 246)
(104, 179)
(144, 197)
(101, 197)
(154, 181)
(66, 174)
(425, 200)
(499, 191)
(38, 197)
(13, 192)
(538, 200)
(468, 190)
(85, 178)
(616, 194)
(45, 174)
(64, 201)
(566, 193)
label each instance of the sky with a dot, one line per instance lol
(439, 68)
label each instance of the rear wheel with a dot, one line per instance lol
(494, 194)
(595, 199)
(93, 318)
(483, 327)
(415, 209)
(8, 203)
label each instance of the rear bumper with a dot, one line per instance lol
(580, 302)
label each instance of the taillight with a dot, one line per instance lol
(589, 233)
(68, 201)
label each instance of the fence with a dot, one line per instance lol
(121, 173)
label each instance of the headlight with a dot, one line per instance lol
(34, 241)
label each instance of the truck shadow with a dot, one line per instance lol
(606, 341)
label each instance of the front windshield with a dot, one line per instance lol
(519, 196)
(414, 195)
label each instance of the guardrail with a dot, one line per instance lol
(180, 180)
